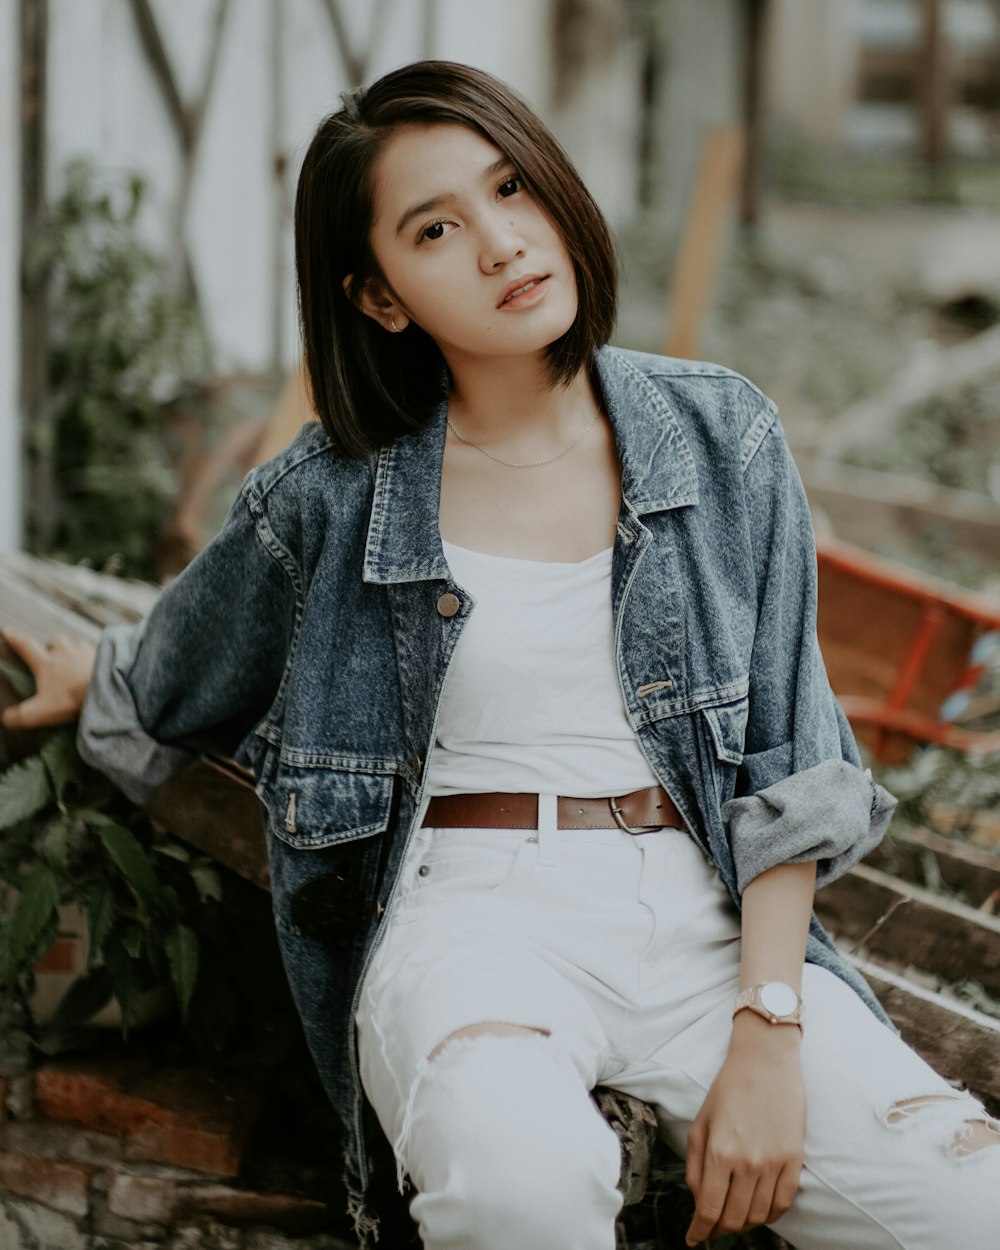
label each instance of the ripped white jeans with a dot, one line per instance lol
(623, 952)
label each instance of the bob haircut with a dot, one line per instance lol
(368, 386)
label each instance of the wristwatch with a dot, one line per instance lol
(776, 1001)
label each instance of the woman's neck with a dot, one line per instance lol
(506, 405)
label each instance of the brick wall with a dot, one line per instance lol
(125, 1154)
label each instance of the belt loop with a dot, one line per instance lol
(548, 823)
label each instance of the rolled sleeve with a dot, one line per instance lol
(110, 736)
(833, 813)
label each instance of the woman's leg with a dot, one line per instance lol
(506, 1148)
(478, 1057)
(894, 1157)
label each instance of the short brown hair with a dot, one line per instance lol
(368, 387)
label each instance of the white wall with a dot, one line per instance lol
(104, 103)
(10, 417)
(814, 57)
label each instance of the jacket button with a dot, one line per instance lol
(379, 910)
(448, 604)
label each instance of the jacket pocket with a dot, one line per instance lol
(727, 723)
(312, 808)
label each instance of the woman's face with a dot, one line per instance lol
(467, 252)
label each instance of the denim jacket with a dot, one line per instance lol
(311, 639)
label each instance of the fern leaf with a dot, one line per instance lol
(25, 790)
(132, 862)
(182, 952)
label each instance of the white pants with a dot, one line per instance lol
(623, 951)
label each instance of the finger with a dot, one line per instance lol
(761, 1202)
(785, 1190)
(733, 1215)
(32, 713)
(711, 1199)
(694, 1165)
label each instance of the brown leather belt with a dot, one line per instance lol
(635, 813)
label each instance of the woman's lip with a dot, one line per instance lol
(524, 298)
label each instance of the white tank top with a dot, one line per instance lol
(532, 701)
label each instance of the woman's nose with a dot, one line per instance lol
(501, 242)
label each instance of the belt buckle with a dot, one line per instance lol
(616, 812)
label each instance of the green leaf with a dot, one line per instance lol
(19, 678)
(182, 951)
(133, 939)
(34, 916)
(55, 845)
(100, 902)
(24, 791)
(173, 850)
(61, 760)
(91, 816)
(207, 881)
(124, 977)
(132, 862)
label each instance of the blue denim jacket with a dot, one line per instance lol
(311, 640)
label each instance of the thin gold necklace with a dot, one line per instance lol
(528, 464)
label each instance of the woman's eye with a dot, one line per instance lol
(509, 186)
(433, 230)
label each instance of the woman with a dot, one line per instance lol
(520, 644)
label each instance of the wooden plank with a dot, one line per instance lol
(95, 596)
(861, 502)
(701, 244)
(959, 865)
(29, 611)
(892, 919)
(212, 806)
(960, 1043)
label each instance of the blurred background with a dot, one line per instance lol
(804, 190)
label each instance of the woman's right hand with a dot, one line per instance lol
(61, 670)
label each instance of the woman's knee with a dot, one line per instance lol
(507, 1148)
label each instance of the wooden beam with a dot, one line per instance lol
(212, 806)
(935, 94)
(703, 239)
(974, 870)
(907, 924)
(960, 1043)
(754, 63)
(862, 502)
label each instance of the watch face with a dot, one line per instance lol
(779, 999)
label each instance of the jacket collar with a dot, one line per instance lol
(658, 473)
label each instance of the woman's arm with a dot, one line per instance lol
(745, 1147)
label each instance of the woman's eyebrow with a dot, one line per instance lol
(437, 201)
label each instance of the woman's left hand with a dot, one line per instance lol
(745, 1148)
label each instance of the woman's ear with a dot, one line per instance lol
(375, 302)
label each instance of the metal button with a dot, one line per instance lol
(448, 604)
(379, 910)
(423, 870)
(417, 764)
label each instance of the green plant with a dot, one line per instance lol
(156, 911)
(121, 342)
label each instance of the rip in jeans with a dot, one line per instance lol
(972, 1137)
(435, 1066)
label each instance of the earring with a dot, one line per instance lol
(395, 328)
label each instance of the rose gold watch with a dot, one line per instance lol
(776, 1001)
